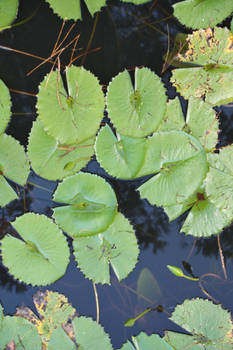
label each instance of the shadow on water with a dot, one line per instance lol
(127, 36)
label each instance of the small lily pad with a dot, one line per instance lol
(90, 205)
(46, 261)
(5, 105)
(117, 246)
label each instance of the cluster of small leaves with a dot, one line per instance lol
(56, 326)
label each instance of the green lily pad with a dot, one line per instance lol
(173, 118)
(74, 118)
(146, 342)
(73, 9)
(90, 205)
(46, 262)
(132, 109)
(13, 165)
(20, 331)
(209, 324)
(89, 334)
(53, 161)
(59, 339)
(136, 2)
(180, 162)
(116, 246)
(8, 12)
(219, 180)
(5, 104)
(205, 13)
(121, 156)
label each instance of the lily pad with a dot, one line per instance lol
(8, 12)
(180, 162)
(13, 165)
(143, 342)
(20, 331)
(59, 339)
(72, 118)
(219, 180)
(73, 9)
(121, 156)
(173, 118)
(52, 160)
(46, 262)
(117, 246)
(89, 334)
(208, 323)
(211, 79)
(90, 205)
(5, 105)
(132, 109)
(205, 13)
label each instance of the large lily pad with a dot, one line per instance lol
(212, 79)
(72, 10)
(13, 165)
(45, 260)
(90, 205)
(121, 156)
(5, 105)
(52, 160)
(74, 118)
(204, 13)
(219, 181)
(132, 109)
(180, 162)
(209, 324)
(117, 246)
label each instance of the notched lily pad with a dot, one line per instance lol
(52, 160)
(132, 109)
(202, 13)
(46, 260)
(121, 156)
(72, 118)
(117, 246)
(90, 205)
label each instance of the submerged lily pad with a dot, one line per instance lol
(219, 180)
(180, 162)
(13, 165)
(43, 250)
(202, 13)
(132, 109)
(52, 160)
(117, 246)
(121, 156)
(73, 10)
(208, 323)
(90, 205)
(5, 106)
(74, 118)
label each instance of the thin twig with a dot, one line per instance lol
(96, 302)
(91, 38)
(222, 257)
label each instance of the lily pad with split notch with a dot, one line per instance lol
(136, 111)
(75, 117)
(117, 246)
(90, 205)
(41, 256)
(52, 160)
(121, 156)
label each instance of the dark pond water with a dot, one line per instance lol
(127, 36)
